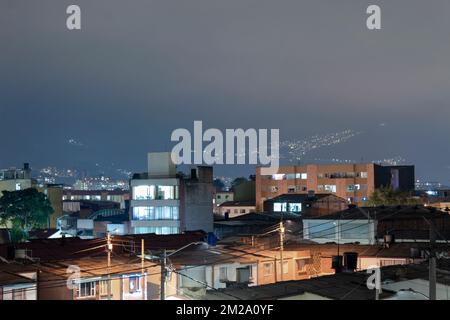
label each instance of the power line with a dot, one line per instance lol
(206, 285)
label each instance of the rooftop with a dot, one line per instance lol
(238, 204)
(300, 197)
(385, 213)
(340, 286)
(73, 248)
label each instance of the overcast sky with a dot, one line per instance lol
(139, 69)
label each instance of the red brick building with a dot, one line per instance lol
(353, 182)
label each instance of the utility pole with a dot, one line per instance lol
(281, 248)
(143, 288)
(109, 249)
(163, 275)
(432, 263)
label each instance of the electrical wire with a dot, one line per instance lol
(206, 285)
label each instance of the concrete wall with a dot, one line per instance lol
(198, 207)
(335, 231)
(11, 185)
(161, 164)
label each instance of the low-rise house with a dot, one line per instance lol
(74, 269)
(212, 267)
(372, 225)
(94, 225)
(400, 282)
(88, 278)
(249, 225)
(20, 285)
(117, 196)
(234, 209)
(220, 197)
(307, 260)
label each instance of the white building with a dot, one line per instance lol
(164, 202)
(340, 231)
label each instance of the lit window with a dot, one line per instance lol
(353, 187)
(144, 193)
(330, 187)
(280, 207)
(295, 207)
(279, 176)
(167, 192)
(156, 213)
(363, 174)
(304, 176)
(86, 289)
(134, 284)
(156, 230)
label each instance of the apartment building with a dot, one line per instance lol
(166, 202)
(119, 196)
(14, 179)
(353, 182)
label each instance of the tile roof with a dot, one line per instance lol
(73, 248)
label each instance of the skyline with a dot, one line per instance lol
(117, 89)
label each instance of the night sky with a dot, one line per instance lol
(140, 69)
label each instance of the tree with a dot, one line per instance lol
(25, 210)
(238, 181)
(386, 196)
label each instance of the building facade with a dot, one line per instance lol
(353, 182)
(164, 202)
(231, 209)
(119, 196)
